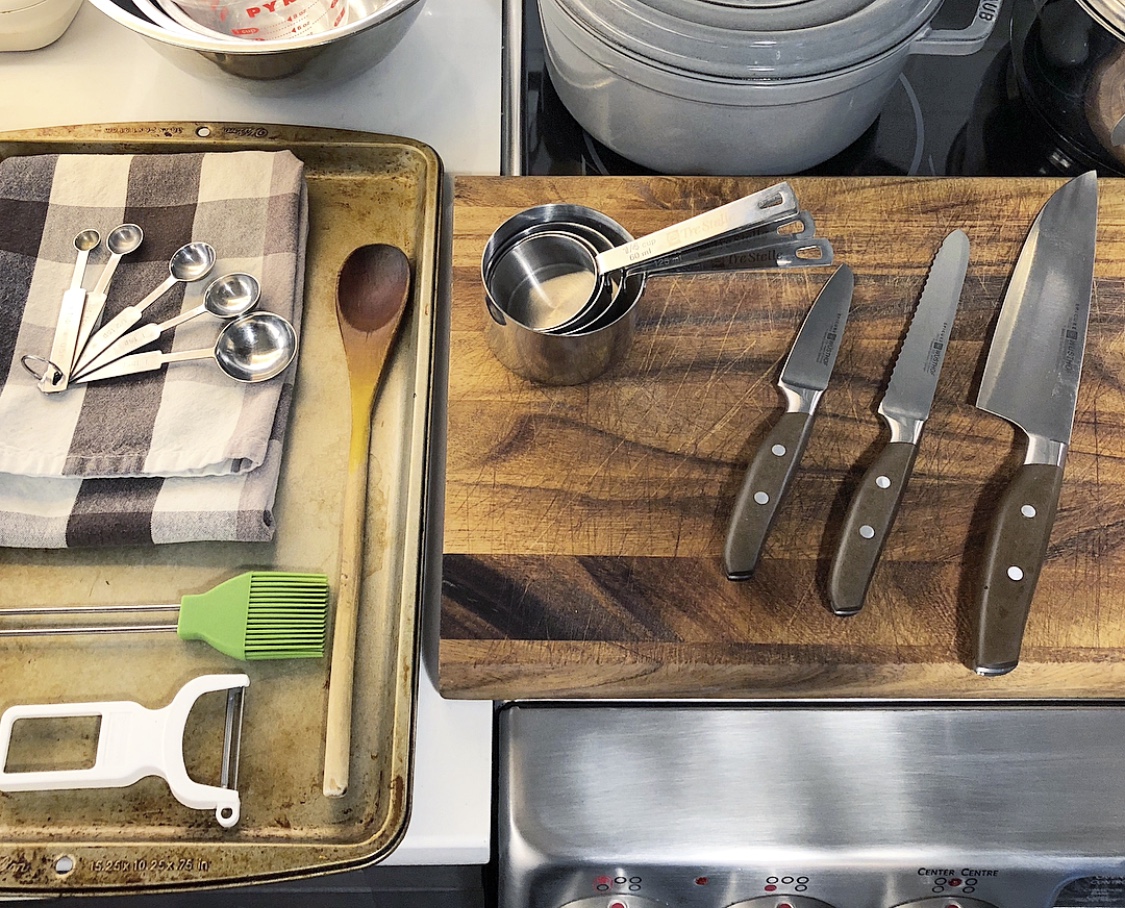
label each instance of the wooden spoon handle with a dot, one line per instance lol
(338, 734)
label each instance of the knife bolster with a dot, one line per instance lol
(1045, 451)
(904, 429)
(800, 400)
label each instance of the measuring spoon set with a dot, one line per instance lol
(251, 347)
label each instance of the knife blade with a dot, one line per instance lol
(905, 407)
(804, 377)
(1031, 379)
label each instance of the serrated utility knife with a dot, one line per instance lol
(905, 407)
(1031, 379)
(803, 380)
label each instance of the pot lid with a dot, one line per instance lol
(1110, 14)
(759, 15)
(732, 39)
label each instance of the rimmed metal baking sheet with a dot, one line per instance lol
(363, 188)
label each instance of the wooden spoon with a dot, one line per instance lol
(371, 293)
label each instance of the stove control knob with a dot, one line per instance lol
(615, 901)
(781, 901)
(946, 901)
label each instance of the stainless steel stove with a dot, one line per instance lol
(818, 805)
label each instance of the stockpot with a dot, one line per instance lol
(686, 95)
(1069, 62)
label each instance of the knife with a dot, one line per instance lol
(905, 407)
(803, 380)
(1031, 379)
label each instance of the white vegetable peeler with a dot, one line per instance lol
(135, 742)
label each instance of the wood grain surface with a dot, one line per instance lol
(584, 525)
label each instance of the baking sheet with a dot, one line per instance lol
(363, 188)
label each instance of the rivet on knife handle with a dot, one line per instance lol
(870, 516)
(763, 490)
(1017, 544)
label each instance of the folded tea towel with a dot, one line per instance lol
(184, 453)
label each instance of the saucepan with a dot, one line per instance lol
(1068, 59)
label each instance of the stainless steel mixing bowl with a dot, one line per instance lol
(374, 28)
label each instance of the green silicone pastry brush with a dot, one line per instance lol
(256, 615)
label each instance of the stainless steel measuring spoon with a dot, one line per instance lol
(188, 263)
(554, 275)
(56, 376)
(120, 242)
(226, 297)
(253, 348)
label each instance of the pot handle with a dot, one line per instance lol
(963, 41)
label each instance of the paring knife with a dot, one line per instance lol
(803, 380)
(1031, 380)
(905, 407)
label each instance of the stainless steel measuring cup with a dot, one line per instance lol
(548, 278)
(595, 236)
(561, 359)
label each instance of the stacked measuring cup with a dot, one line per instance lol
(562, 282)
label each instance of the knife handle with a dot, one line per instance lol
(1017, 544)
(763, 489)
(870, 517)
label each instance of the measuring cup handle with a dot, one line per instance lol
(768, 204)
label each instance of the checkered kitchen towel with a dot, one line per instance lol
(180, 454)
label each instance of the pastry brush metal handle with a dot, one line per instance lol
(48, 611)
(85, 609)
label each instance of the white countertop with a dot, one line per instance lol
(441, 85)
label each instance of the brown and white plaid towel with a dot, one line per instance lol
(177, 455)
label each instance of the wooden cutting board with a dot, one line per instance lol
(584, 525)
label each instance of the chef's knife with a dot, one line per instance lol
(905, 408)
(803, 380)
(1031, 380)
